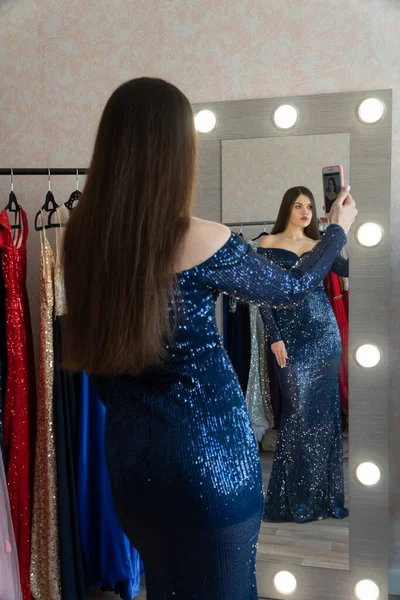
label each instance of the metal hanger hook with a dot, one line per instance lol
(241, 228)
(12, 180)
(48, 179)
(77, 179)
(265, 227)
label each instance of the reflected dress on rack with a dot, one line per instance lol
(306, 482)
(237, 337)
(19, 397)
(183, 460)
(10, 585)
(258, 399)
(45, 558)
(66, 396)
(335, 292)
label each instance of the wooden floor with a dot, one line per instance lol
(319, 544)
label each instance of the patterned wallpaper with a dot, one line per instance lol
(59, 61)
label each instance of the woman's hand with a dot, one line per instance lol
(279, 351)
(343, 211)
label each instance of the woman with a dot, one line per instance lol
(306, 483)
(331, 192)
(142, 278)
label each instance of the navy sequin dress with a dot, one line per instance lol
(182, 457)
(307, 475)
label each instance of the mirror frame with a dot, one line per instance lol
(370, 179)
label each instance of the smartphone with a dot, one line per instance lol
(332, 181)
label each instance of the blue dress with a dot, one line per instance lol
(110, 561)
(182, 457)
(307, 475)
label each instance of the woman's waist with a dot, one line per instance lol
(173, 376)
(187, 348)
(314, 307)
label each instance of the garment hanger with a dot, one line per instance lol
(50, 206)
(75, 196)
(264, 232)
(241, 231)
(13, 206)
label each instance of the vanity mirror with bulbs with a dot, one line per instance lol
(250, 153)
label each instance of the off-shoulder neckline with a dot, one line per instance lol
(210, 258)
(290, 251)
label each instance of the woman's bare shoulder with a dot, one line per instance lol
(268, 241)
(203, 240)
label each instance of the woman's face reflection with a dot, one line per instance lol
(301, 214)
(331, 187)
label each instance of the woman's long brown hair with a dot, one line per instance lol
(122, 240)
(288, 201)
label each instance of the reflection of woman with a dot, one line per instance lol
(331, 192)
(142, 278)
(307, 476)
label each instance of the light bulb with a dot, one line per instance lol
(285, 116)
(368, 356)
(368, 473)
(369, 234)
(366, 589)
(285, 582)
(205, 121)
(371, 110)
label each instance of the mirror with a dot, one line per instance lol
(324, 117)
(298, 406)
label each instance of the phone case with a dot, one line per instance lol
(332, 169)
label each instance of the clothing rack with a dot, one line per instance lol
(41, 171)
(249, 223)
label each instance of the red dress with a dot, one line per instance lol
(339, 303)
(20, 396)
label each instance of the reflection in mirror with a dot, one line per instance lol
(292, 363)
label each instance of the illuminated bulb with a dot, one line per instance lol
(368, 473)
(285, 116)
(205, 121)
(368, 356)
(366, 589)
(285, 582)
(369, 234)
(371, 110)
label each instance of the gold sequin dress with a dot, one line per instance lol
(45, 563)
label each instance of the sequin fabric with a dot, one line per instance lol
(45, 562)
(3, 354)
(182, 456)
(258, 398)
(60, 303)
(17, 395)
(65, 403)
(307, 475)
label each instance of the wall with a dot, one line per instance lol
(59, 61)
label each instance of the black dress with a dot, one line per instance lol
(66, 397)
(237, 338)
